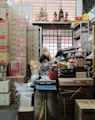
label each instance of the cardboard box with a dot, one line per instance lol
(18, 33)
(3, 42)
(2, 13)
(80, 62)
(17, 39)
(3, 27)
(15, 48)
(5, 99)
(4, 57)
(3, 5)
(17, 24)
(3, 1)
(4, 86)
(18, 19)
(3, 49)
(33, 28)
(81, 74)
(85, 109)
(18, 54)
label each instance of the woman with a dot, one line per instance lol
(44, 60)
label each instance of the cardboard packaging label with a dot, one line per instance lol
(3, 48)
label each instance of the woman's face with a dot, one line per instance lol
(45, 63)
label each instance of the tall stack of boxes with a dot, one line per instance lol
(3, 33)
(18, 41)
(4, 54)
(3, 42)
(33, 43)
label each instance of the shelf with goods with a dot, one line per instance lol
(80, 31)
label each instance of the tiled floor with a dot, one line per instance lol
(8, 112)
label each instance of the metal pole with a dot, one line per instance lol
(45, 108)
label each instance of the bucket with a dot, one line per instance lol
(53, 75)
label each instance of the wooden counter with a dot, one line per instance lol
(75, 82)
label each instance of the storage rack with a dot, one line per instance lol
(80, 31)
(55, 36)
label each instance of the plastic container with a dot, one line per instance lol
(53, 72)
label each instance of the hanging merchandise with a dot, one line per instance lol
(14, 68)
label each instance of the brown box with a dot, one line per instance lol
(26, 113)
(33, 28)
(4, 49)
(3, 27)
(3, 5)
(80, 62)
(4, 57)
(3, 1)
(20, 49)
(3, 42)
(84, 109)
(81, 74)
(3, 13)
(18, 33)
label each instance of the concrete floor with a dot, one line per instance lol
(8, 112)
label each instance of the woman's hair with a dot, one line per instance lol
(43, 57)
(59, 53)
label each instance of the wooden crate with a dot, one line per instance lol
(84, 109)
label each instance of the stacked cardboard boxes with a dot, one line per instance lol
(4, 9)
(5, 94)
(33, 43)
(18, 41)
(20, 80)
(3, 42)
(3, 32)
(85, 109)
